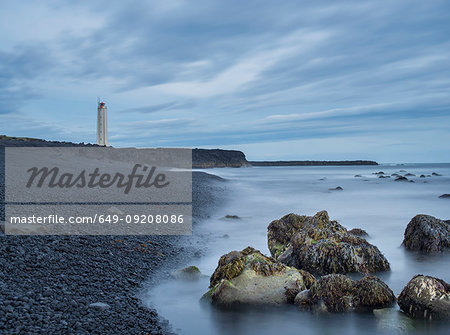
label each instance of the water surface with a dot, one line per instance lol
(382, 207)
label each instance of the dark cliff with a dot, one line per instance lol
(211, 158)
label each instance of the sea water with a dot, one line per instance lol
(258, 195)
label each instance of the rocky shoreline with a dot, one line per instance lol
(90, 284)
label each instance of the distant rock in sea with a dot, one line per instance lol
(436, 174)
(338, 188)
(445, 196)
(401, 178)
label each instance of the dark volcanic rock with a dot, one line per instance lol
(321, 246)
(422, 176)
(401, 178)
(444, 196)
(358, 232)
(427, 233)
(337, 293)
(426, 297)
(436, 174)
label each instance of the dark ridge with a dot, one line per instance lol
(217, 158)
(311, 163)
(201, 158)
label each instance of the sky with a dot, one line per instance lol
(280, 80)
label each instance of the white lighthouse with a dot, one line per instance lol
(102, 124)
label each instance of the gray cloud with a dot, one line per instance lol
(223, 67)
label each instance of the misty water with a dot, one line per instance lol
(382, 207)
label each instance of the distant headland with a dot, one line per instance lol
(311, 163)
(201, 158)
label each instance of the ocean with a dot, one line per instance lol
(381, 206)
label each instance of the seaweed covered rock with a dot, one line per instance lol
(427, 233)
(426, 297)
(338, 293)
(321, 246)
(358, 232)
(189, 273)
(249, 277)
(371, 293)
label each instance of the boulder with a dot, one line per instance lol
(436, 174)
(401, 178)
(426, 297)
(251, 278)
(358, 232)
(410, 175)
(427, 233)
(189, 273)
(337, 293)
(444, 196)
(321, 246)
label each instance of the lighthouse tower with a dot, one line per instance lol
(102, 124)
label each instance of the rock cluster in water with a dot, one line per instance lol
(426, 297)
(299, 244)
(316, 244)
(427, 234)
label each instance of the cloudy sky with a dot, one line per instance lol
(276, 79)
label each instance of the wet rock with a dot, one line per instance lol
(338, 293)
(436, 174)
(357, 176)
(422, 176)
(338, 188)
(395, 175)
(382, 176)
(249, 277)
(188, 273)
(231, 217)
(321, 246)
(410, 175)
(358, 232)
(372, 293)
(379, 173)
(401, 178)
(427, 234)
(444, 196)
(426, 297)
